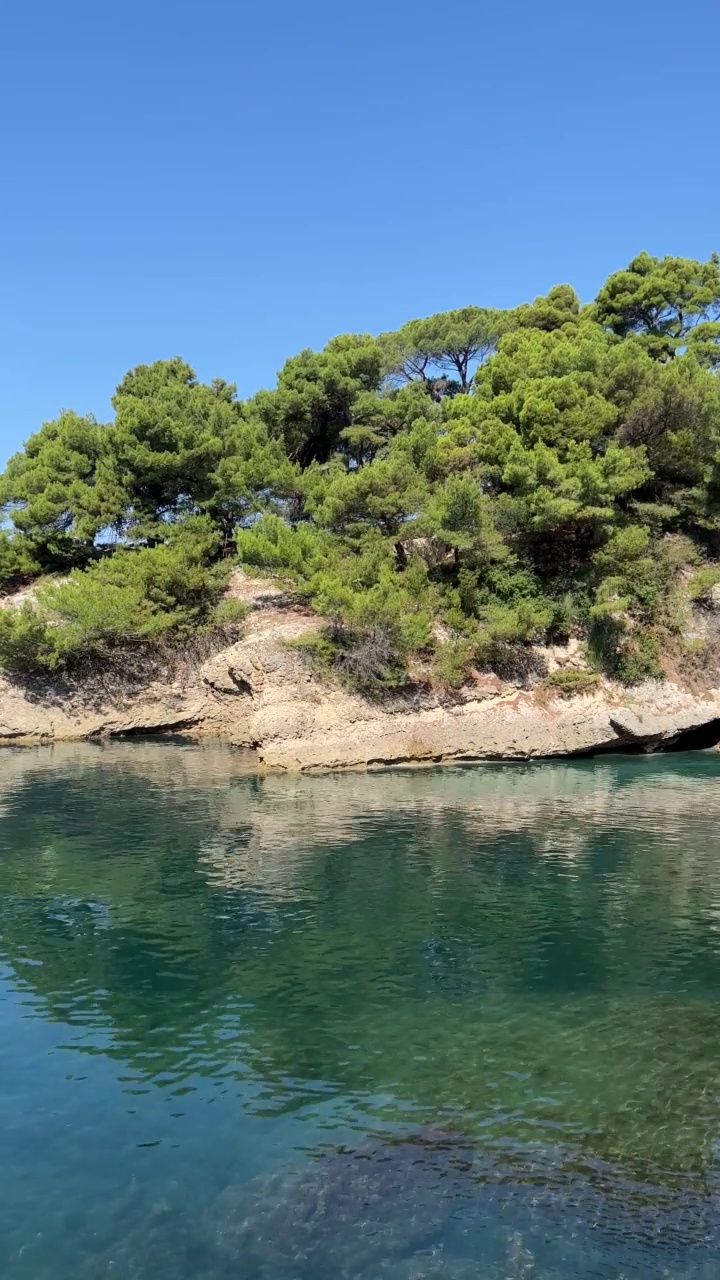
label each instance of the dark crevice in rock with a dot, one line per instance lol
(625, 735)
(241, 685)
(149, 731)
(702, 737)
(699, 739)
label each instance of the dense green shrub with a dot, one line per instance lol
(638, 658)
(228, 613)
(570, 680)
(318, 647)
(452, 660)
(702, 582)
(136, 594)
(131, 598)
(26, 641)
(17, 562)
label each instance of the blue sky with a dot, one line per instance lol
(233, 182)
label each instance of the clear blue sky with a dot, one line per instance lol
(232, 182)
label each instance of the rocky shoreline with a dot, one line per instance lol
(259, 693)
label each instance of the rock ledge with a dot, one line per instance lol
(260, 693)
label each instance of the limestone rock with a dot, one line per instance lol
(260, 692)
(656, 724)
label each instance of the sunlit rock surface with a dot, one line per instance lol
(260, 694)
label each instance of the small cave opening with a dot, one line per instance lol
(174, 729)
(702, 738)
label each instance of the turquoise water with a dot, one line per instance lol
(447, 1023)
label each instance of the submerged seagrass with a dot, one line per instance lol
(449, 1024)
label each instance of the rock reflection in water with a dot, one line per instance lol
(212, 973)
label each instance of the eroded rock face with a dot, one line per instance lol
(260, 692)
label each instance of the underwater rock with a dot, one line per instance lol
(424, 1206)
(347, 1209)
(420, 1206)
(156, 1241)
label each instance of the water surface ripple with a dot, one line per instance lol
(454, 1023)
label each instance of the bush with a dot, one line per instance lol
(229, 612)
(570, 680)
(17, 562)
(638, 659)
(702, 582)
(522, 623)
(273, 544)
(518, 663)
(369, 661)
(91, 613)
(26, 640)
(640, 578)
(317, 647)
(629, 654)
(451, 662)
(135, 597)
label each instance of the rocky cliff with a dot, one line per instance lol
(260, 693)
